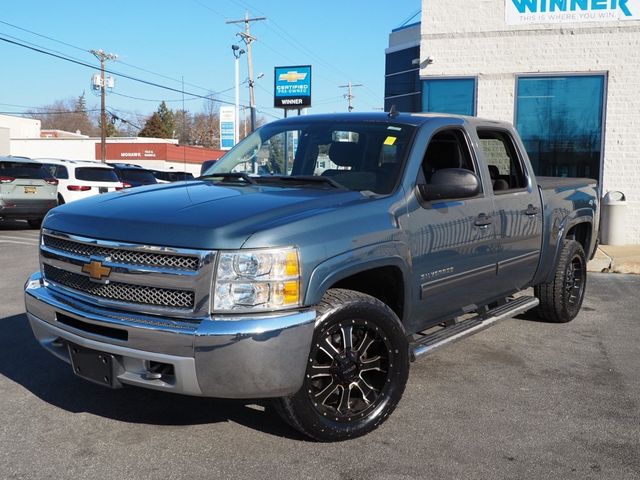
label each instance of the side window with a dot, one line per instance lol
(505, 166)
(447, 149)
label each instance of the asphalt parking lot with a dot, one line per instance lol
(521, 400)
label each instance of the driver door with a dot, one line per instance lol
(452, 241)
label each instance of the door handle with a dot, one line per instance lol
(483, 221)
(531, 211)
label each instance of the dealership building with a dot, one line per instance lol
(565, 72)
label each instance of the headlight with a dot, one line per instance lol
(257, 280)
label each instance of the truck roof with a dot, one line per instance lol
(414, 119)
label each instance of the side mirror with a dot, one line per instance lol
(450, 184)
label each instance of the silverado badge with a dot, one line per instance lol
(96, 270)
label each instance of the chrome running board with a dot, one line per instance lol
(431, 342)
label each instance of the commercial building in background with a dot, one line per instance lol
(566, 73)
(24, 137)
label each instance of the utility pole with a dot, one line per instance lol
(248, 40)
(103, 57)
(349, 95)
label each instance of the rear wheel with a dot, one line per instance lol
(356, 372)
(561, 299)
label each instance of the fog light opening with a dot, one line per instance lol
(158, 371)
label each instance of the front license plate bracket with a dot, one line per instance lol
(97, 367)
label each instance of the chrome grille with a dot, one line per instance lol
(124, 292)
(131, 257)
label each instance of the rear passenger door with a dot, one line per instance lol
(452, 241)
(518, 210)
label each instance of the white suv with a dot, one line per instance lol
(81, 179)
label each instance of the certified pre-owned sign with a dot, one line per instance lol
(292, 87)
(522, 12)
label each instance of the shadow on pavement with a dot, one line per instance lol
(15, 225)
(25, 362)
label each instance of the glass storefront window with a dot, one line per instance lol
(449, 95)
(560, 121)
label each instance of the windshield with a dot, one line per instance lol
(363, 156)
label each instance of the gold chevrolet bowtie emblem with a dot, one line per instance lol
(96, 270)
(292, 76)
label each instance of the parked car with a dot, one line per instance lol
(206, 164)
(27, 190)
(133, 175)
(168, 176)
(315, 290)
(81, 179)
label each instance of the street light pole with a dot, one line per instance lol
(237, 51)
(102, 56)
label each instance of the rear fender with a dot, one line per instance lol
(549, 261)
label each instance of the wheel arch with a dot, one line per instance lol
(579, 228)
(382, 277)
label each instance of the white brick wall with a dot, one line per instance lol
(471, 38)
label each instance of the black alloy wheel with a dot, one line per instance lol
(349, 368)
(561, 299)
(356, 372)
(574, 281)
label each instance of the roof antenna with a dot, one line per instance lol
(393, 112)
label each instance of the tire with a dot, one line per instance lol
(357, 371)
(35, 223)
(561, 299)
(60, 200)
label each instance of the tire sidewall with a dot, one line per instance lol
(573, 250)
(377, 313)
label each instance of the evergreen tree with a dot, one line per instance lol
(168, 120)
(154, 127)
(111, 130)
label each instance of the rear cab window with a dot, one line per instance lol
(505, 165)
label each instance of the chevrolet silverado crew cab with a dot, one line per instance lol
(312, 264)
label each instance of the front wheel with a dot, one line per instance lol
(561, 299)
(356, 372)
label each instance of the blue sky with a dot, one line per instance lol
(342, 40)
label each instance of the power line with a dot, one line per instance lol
(87, 50)
(291, 40)
(93, 67)
(157, 100)
(123, 120)
(60, 112)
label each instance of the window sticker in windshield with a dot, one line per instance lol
(390, 140)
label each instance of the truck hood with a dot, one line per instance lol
(193, 214)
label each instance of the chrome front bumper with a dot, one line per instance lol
(256, 356)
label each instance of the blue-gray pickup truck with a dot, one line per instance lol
(313, 264)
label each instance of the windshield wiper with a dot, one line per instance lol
(230, 175)
(301, 180)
